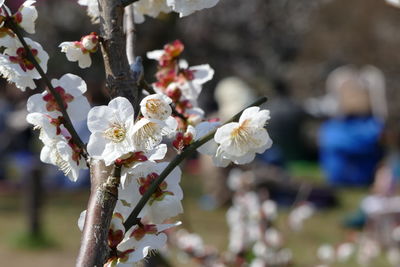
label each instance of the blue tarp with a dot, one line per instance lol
(350, 150)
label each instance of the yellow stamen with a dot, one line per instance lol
(115, 133)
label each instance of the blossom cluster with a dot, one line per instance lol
(15, 63)
(250, 221)
(254, 238)
(80, 50)
(134, 141)
(153, 8)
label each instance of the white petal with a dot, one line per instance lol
(78, 109)
(85, 61)
(223, 133)
(96, 144)
(249, 113)
(81, 220)
(29, 16)
(45, 155)
(202, 73)
(74, 84)
(187, 7)
(123, 107)
(156, 54)
(169, 207)
(158, 153)
(99, 117)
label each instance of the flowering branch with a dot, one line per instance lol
(133, 217)
(104, 195)
(66, 119)
(104, 187)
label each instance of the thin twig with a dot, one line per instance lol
(67, 120)
(133, 217)
(130, 33)
(128, 2)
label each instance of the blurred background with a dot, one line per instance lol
(330, 69)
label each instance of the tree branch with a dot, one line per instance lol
(103, 197)
(128, 2)
(104, 188)
(119, 80)
(67, 121)
(133, 217)
(130, 33)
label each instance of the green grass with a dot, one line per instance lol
(60, 241)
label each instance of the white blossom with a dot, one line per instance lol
(80, 50)
(155, 54)
(395, 3)
(239, 141)
(64, 154)
(49, 127)
(156, 106)
(135, 244)
(326, 253)
(112, 128)
(269, 209)
(92, 9)
(16, 68)
(165, 201)
(191, 86)
(151, 8)
(27, 15)
(187, 7)
(190, 242)
(7, 37)
(147, 133)
(7, 40)
(71, 89)
(299, 214)
(344, 251)
(273, 237)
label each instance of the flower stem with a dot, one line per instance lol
(67, 121)
(133, 217)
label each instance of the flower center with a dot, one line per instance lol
(22, 58)
(159, 194)
(116, 133)
(52, 105)
(242, 137)
(146, 135)
(153, 105)
(63, 165)
(142, 230)
(157, 107)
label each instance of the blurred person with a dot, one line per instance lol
(350, 141)
(284, 127)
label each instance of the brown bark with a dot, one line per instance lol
(103, 197)
(119, 80)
